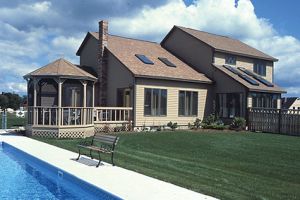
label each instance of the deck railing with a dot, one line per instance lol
(113, 114)
(64, 116)
(75, 116)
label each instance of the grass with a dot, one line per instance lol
(13, 120)
(225, 165)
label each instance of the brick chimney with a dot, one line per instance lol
(102, 61)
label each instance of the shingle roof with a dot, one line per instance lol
(61, 68)
(287, 102)
(226, 44)
(126, 48)
(260, 88)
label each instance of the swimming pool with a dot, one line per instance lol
(26, 177)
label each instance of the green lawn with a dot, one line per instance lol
(13, 120)
(225, 165)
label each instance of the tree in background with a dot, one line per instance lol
(14, 100)
(3, 101)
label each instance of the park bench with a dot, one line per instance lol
(100, 144)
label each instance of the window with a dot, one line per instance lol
(155, 102)
(230, 60)
(166, 62)
(144, 59)
(259, 67)
(230, 105)
(264, 100)
(188, 103)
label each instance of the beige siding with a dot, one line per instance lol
(88, 56)
(172, 101)
(192, 51)
(219, 59)
(118, 76)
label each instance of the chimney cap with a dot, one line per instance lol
(103, 21)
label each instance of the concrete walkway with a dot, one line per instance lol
(121, 182)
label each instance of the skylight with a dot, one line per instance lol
(144, 59)
(166, 62)
(260, 79)
(246, 78)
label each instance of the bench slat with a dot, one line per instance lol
(105, 136)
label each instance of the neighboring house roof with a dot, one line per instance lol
(226, 44)
(256, 88)
(287, 102)
(125, 49)
(61, 68)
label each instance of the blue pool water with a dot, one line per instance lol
(25, 177)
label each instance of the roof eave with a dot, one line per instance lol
(247, 55)
(267, 91)
(173, 79)
(61, 76)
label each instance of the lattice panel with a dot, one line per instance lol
(45, 133)
(63, 133)
(72, 133)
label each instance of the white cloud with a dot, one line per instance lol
(211, 15)
(221, 17)
(41, 6)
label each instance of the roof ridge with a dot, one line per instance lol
(207, 32)
(75, 67)
(129, 38)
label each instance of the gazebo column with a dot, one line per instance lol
(93, 100)
(60, 82)
(35, 110)
(84, 83)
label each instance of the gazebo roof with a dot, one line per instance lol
(61, 68)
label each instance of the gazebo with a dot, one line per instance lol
(60, 101)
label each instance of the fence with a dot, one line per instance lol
(283, 121)
(12, 119)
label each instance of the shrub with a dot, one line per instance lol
(238, 123)
(197, 123)
(213, 122)
(210, 119)
(173, 126)
(106, 128)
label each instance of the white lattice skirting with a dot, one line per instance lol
(64, 132)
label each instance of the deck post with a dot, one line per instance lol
(84, 83)
(35, 82)
(60, 82)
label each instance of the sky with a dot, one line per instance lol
(34, 33)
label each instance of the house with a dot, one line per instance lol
(291, 103)
(189, 75)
